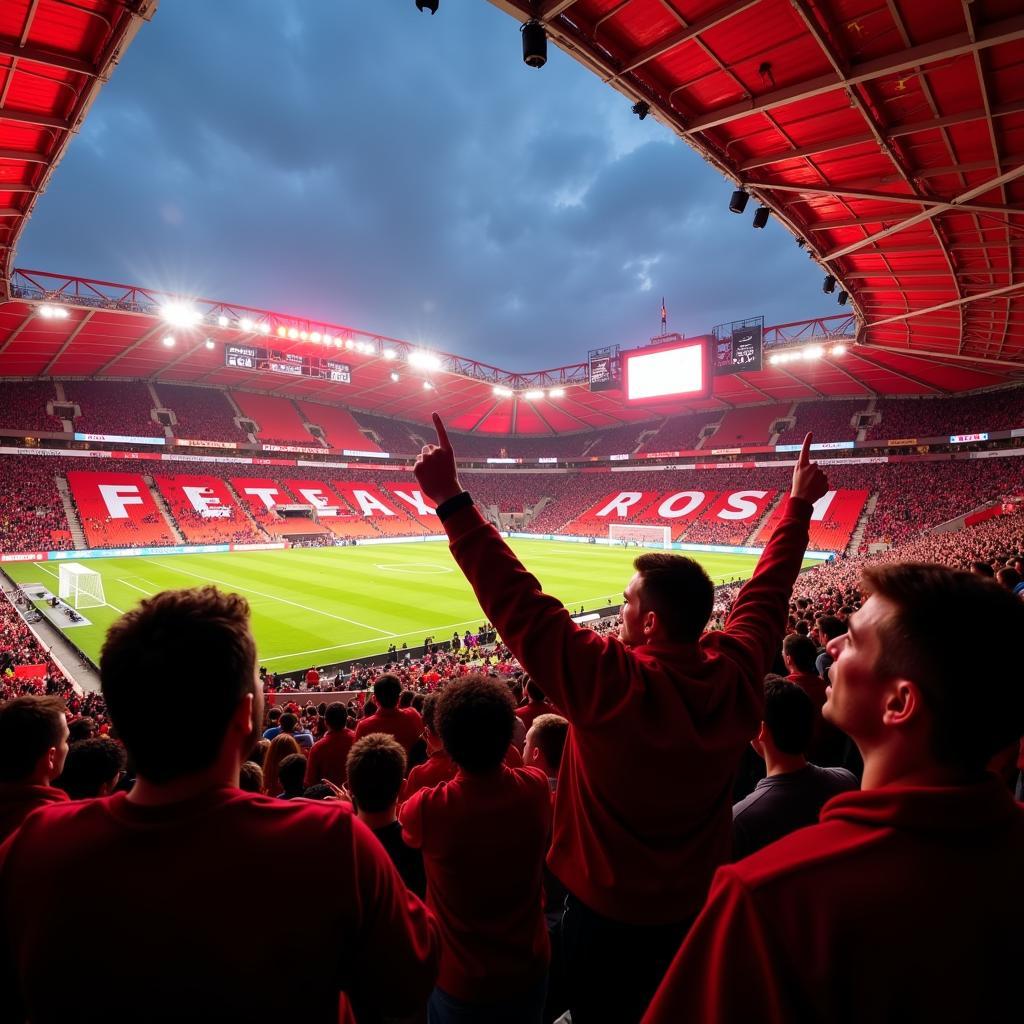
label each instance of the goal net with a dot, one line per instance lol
(644, 536)
(80, 586)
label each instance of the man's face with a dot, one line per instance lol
(855, 700)
(62, 748)
(631, 632)
(530, 750)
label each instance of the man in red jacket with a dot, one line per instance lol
(905, 901)
(660, 716)
(404, 724)
(328, 757)
(181, 858)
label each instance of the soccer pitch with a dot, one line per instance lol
(325, 605)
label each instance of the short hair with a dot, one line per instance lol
(534, 692)
(291, 772)
(91, 763)
(788, 715)
(258, 754)
(1008, 578)
(150, 649)
(829, 627)
(428, 713)
(801, 650)
(336, 716)
(802, 627)
(549, 736)
(288, 722)
(976, 704)
(983, 569)
(475, 719)
(679, 591)
(273, 715)
(250, 777)
(282, 746)
(376, 768)
(387, 690)
(319, 791)
(81, 728)
(29, 727)
(405, 699)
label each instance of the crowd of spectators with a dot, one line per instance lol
(24, 406)
(31, 514)
(936, 417)
(827, 420)
(121, 408)
(681, 433)
(201, 414)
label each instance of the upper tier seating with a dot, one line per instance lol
(23, 406)
(202, 414)
(340, 429)
(278, 420)
(935, 417)
(829, 421)
(680, 433)
(120, 407)
(746, 426)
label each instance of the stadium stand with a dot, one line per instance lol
(339, 427)
(202, 414)
(205, 512)
(335, 512)
(31, 515)
(934, 417)
(747, 425)
(117, 510)
(113, 407)
(829, 421)
(832, 532)
(24, 406)
(277, 418)
(680, 433)
(256, 492)
(396, 436)
(622, 440)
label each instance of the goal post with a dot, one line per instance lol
(80, 586)
(645, 536)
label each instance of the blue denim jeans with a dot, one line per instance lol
(525, 1008)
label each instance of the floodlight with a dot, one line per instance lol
(282, 331)
(169, 341)
(390, 353)
(315, 337)
(427, 386)
(293, 334)
(556, 393)
(209, 343)
(424, 360)
(641, 108)
(394, 377)
(222, 321)
(761, 217)
(839, 350)
(533, 395)
(738, 202)
(814, 352)
(829, 284)
(303, 335)
(245, 324)
(501, 392)
(535, 44)
(179, 314)
(349, 344)
(264, 327)
(773, 360)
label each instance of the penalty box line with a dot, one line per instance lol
(274, 597)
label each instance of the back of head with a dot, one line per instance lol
(801, 651)
(475, 719)
(1008, 577)
(829, 627)
(200, 634)
(376, 767)
(678, 591)
(250, 777)
(548, 733)
(289, 722)
(90, 765)
(936, 640)
(281, 746)
(83, 728)
(29, 727)
(387, 690)
(983, 569)
(291, 772)
(533, 691)
(336, 716)
(789, 715)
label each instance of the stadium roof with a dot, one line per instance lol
(54, 58)
(888, 136)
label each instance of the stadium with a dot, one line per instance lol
(155, 440)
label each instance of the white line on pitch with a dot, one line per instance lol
(274, 597)
(148, 593)
(106, 604)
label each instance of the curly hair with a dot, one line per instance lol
(475, 718)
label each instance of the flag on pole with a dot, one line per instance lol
(664, 313)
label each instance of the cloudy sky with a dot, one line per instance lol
(358, 162)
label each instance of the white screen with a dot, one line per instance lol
(671, 371)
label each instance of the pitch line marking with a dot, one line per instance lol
(148, 593)
(273, 597)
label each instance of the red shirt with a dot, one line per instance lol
(643, 812)
(18, 801)
(812, 684)
(327, 758)
(404, 724)
(532, 711)
(902, 903)
(483, 840)
(312, 677)
(180, 904)
(439, 767)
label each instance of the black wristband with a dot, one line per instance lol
(448, 508)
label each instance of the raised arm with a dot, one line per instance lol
(757, 621)
(564, 658)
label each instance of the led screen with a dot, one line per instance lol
(664, 372)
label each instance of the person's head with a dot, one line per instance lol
(1008, 578)
(982, 569)
(290, 773)
(376, 768)
(288, 722)
(33, 740)
(250, 777)
(82, 728)
(910, 674)
(336, 716)
(670, 597)
(799, 653)
(93, 768)
(405, 699)
(281, 746)
(273, 717)
(387, 690)
(258, 754)
(319, 791)
(200, 634)
(802, 627)
(533, 691)
(545, 742)
(475, 718)
(829, 627)
(788, 723)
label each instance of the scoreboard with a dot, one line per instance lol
(292, 364)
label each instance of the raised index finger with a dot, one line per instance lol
(805, 452)
(442, 434)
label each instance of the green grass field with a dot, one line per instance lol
(325, 605)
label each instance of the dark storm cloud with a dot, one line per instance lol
(360, 163)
